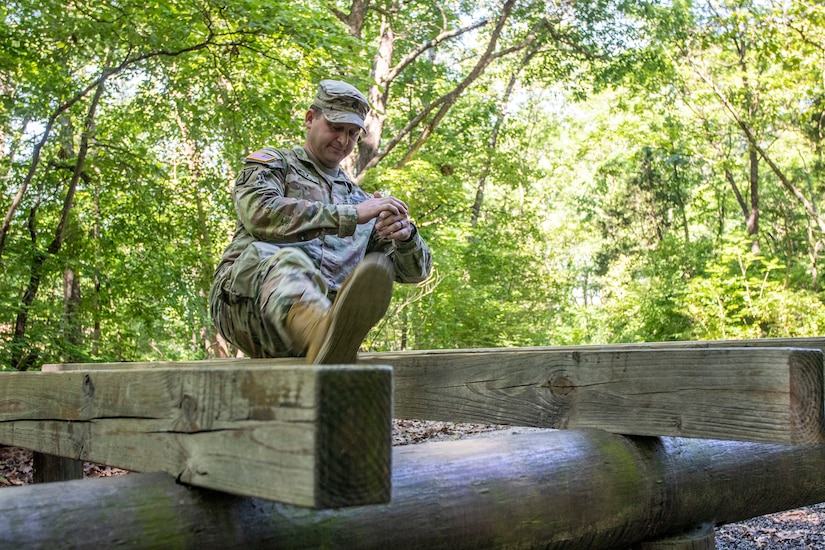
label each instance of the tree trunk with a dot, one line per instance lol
(9, 145)
(97, 84)
(753, 218)
(21, 359)
(492, 143)
(384, 73)
(18, 197)
(96, 293)
(446, 102)
(72, 330)
(753, 143)
(207, 333)
(378, 93)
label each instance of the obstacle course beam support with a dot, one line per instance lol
(555, 489)
(310, 435)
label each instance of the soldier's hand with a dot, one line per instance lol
(393, 227)
(374, 207)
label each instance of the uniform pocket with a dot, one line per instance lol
(243, 278)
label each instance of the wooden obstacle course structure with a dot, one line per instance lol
(279, 432)
(578, 487)
(771, 395)
(761, 394)
(581, 488)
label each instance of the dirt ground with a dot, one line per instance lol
(803, 528)
(800, 529)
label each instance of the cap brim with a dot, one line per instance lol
(343, 117)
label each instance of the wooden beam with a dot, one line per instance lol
(437, 355)
(381, 358)
(724, 389)
(813, 342)
(772, 395)
(316, 436)
(48, 468)
(125, 365)
(555, 489)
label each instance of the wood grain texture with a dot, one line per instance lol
(702, 537)
(800, 343)
(763, 390)
(746, 394)
(48, 468)
(552, 489)
(278, 432)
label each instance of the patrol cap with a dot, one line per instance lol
(342, 103)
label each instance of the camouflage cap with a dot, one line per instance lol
(342, 103)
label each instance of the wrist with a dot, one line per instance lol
(413, 233)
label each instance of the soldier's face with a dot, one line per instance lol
(329, 142)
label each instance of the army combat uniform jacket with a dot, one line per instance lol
(284, 199)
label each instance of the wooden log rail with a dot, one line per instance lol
(551, 489)
(313, 436)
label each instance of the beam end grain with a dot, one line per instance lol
(807, 409)
(355, 437)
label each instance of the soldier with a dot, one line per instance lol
(312, 263)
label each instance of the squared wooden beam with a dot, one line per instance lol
(772, 395)
(761, 390)
(316, 436)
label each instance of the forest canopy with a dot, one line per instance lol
(584, 172)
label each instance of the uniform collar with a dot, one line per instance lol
(306, 156)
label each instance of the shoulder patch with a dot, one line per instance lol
(261, 156)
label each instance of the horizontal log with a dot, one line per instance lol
(549, 489)
(702, 537)
(316, 436)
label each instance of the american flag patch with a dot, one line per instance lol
(260, 156)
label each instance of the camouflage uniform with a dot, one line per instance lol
(297, 240)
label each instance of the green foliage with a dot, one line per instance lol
(189, 90)
(605, 210)
(742, 295)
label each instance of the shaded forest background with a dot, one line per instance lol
(585, 172)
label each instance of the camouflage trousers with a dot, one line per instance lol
(250, 299)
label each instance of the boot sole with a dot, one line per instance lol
(360, 304)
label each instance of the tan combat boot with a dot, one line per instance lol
(333, 337)
(307, 324)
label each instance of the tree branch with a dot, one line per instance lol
(574, 46)
(492, 143)
(443, 103)
(746, 129)
(423, 47)
(104, 74)
(742, 204)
